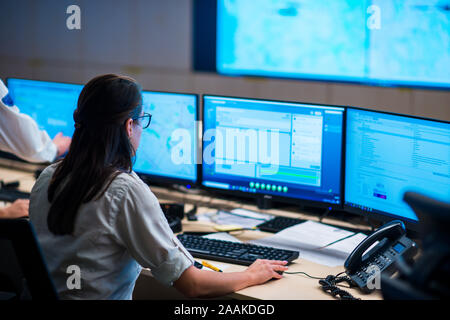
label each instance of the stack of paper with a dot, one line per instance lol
(316, 242)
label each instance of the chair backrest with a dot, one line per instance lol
(429, 276)
(434, 215)
(23, 271)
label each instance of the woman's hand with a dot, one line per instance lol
(18, 209)
(263, 270)
(195, 283)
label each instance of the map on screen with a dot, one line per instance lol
(378, 41)
(168, 145)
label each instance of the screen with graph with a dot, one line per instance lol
(289, 150)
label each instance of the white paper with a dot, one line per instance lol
(237, 217)
(252, 214)
(309, 238)
(222, 236)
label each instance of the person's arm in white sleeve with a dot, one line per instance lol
(143, 229)
(20, 135)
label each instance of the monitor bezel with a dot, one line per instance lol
(378, 214)
(276, 198)
(154, 179)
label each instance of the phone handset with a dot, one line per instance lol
(390, 231)
(364, 268)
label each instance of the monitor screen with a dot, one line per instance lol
(168, 148)
(403, 43)
(50, 104)
(387, 155)
(290, 150)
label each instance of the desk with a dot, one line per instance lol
(25, 178)
(290, 287)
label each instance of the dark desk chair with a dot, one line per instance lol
(429, 277)
(23, 272)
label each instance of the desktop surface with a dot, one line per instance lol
(387, 155)
(168, 148)
(50, 104)
(289, 150)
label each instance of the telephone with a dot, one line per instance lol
(174, 213)
(392, 244)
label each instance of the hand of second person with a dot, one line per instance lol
(62, 143)
(17, 209)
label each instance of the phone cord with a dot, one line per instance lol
(329, 285)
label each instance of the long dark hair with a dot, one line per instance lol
(100, 148)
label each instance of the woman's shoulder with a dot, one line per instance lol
(46, 174)
(128, 182)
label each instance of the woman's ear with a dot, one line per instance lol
(129, 127)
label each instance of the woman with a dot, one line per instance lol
(92, 211)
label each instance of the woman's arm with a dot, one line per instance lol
(194, 282)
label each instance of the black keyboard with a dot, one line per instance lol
(278, 223)
(232, 252)
(11, 195)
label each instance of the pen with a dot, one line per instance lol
(208, 265)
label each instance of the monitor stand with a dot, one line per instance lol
(264, 202)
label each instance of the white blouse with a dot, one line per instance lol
(113, 237)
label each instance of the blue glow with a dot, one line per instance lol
(168, 147)
(290, 150)
(50, 104)
(380, 42)
(387, 155)
(7, 100)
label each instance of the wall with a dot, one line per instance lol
(150, 40)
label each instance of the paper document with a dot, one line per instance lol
(310, 238)
(237, 217)
(221, 236)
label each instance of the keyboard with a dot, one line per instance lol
(278, 223)
(11, 195)
(232, 252)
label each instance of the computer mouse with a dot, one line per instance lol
(280, 272)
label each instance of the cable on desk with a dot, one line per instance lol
(304, 273)
(329, 284)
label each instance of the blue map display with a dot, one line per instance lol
(387, 42)
(168, 147)
(50, 104)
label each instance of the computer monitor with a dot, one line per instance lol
(51, 104)
(389, 43)
(286, 151)
(168, 148)
(389, 154)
